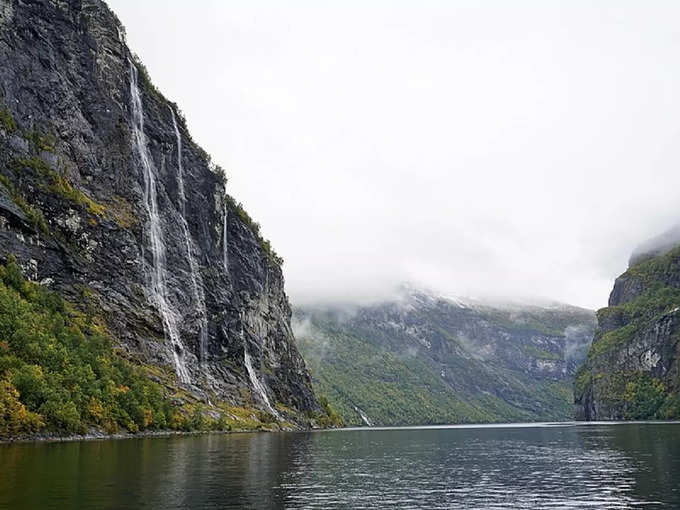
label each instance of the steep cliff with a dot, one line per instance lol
(106, 200)
(423, 358)
(633, 369)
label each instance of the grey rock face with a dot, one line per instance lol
(71, 159)
(654, 351)
(633, 370)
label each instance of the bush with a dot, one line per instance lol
(329, 418)
(243, 215)
(58, 369)
(644, 396)
(14, 418)
(6, 120)
(59, 185)
(34, 215)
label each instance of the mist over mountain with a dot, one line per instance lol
(657, 245)
(421, 357)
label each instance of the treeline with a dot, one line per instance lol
(59, 372)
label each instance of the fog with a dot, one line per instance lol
(478, 148)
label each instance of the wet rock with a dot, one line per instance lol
(65, 78)
(632, 370)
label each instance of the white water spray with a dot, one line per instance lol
(180, 166)
(364, 418)
(225, 240)
(157, 276)
(196, 280)
(257, 385)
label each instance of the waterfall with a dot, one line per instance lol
(225, 254)
(257, 385)
(157, 276)
(180, 167)
(364, 418)
(196, 280)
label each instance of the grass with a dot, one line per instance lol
(39, 142)
(122, 212)
(7, 120)
(58, 184)
(34, 215)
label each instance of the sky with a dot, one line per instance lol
(478, 148)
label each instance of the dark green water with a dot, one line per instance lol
(529, 466)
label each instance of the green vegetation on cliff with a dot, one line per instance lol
(60, 373)
(431, 362)
(632, 367)
(360, 377)
(58, 369)
(648, 398)
(56, 183)
(6, 119)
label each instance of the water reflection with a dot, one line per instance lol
(603, 466)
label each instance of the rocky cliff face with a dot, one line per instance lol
(632, 370)
(425, 358)
(105, 198)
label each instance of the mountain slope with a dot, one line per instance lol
(106, 200)
(428, 359)
(633, 369)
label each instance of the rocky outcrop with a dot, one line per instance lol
(632, 369)
(424, 358)
(105, 198)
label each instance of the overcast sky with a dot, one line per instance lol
(474, 147)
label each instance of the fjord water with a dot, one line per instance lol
(518, 466)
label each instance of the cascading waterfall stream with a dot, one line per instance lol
(196, 280)
(225, 253)
(157, 276)
(364, 418)
(257, 385)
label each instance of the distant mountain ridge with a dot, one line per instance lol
(425, 358)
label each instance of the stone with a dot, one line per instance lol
(65, 73)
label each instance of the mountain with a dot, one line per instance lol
(122, 219)
(423, 358)
(633, 367)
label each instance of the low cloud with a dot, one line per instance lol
(479, 148)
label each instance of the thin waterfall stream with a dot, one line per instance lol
(225, 240)
(157, 274)
(257, 385)
(196, 280)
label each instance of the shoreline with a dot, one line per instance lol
(127, 435)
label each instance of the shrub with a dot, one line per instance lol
(34, 215)
(58, 368)
(273, 257)
(7, 120)
(14, 417)
(644, 396)
(329, 418)
(59, 185)
(39, 142)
